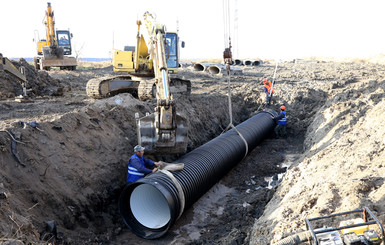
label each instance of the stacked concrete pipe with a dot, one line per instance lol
(252, 62)
(202, 66)
(220, 69)
(151, 205)
(238, 62)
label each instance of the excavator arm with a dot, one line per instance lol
(168, 129)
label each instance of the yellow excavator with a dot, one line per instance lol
(148, 67)
(54, 51)
(140, 66)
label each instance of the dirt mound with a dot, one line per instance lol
(39, 83)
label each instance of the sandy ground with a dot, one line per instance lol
(71, 168)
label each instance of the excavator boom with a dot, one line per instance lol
(164, 131)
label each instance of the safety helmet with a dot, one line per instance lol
(138, 148)
(283, 107)
(264, 80)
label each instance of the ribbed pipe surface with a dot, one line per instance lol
(151, 205)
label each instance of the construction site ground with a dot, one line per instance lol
(63, 156)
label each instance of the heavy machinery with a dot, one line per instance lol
(354, 231)
(356, 227)
(18, 74)
(54, 51)
(148, 67)
(141, 65)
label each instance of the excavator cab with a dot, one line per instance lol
(172, 51)
(64, 41)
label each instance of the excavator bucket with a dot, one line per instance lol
(150, 137)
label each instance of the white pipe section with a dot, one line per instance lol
(148, 202)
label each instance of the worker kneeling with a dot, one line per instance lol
(138, 166)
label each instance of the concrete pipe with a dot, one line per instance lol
(221, 70)
(202, 66)
(256, 62)
(238, 62)
(151, 205)
(247, 62)
(215, 69)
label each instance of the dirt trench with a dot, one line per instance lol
(72, 167)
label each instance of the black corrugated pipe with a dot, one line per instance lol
(151, 205)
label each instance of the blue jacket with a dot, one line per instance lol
(137, 168)
(281, 119)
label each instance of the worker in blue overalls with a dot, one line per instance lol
(280, 129)
(138, 166)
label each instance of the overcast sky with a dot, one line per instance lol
(273, 29)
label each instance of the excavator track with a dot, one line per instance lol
(142, 88)
(103, 87)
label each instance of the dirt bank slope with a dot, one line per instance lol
(342, 167)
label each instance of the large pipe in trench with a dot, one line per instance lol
(151, 205)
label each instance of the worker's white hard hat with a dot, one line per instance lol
(138, 148)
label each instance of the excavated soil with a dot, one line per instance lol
(64, 156)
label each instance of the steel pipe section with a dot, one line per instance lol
(151, 205)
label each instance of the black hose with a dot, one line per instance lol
(151, 205)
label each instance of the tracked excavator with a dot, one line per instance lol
(54, 51)
(148, 69)
(141, 66)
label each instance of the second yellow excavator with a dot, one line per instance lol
(54, 51)
(148, 67)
